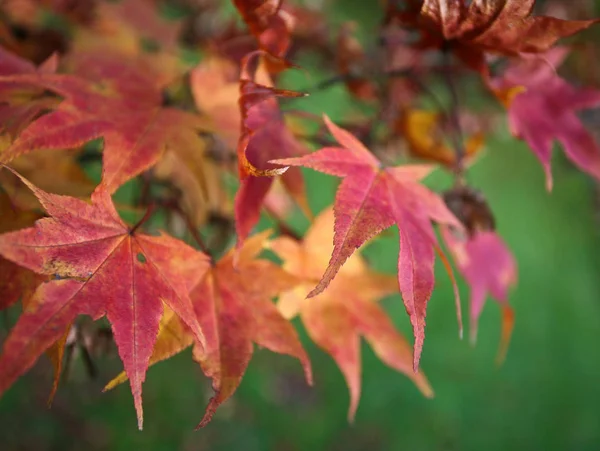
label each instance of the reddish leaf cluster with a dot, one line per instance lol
(112, 91)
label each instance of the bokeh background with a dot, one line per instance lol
(546, 396)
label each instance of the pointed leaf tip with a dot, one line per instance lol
(508, 322)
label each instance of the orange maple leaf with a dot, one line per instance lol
(337, 318)
(424, 134)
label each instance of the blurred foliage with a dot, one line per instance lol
(544, 397)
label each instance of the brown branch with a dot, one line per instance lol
(283, 228)
(453, 116)
(174, 206)
(149, 212)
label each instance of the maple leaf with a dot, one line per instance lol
(134, 29)
(263, 134)
(424, 135)
(102, 266)
(198, 179)
(499, 26)
(337, 318)
(140, 19)
(372, 198)
(215, 87)
(542, 107)
(234, 309)
(19, 283)
(269, 24)
(112, 97)
(20, 103)
(349, 54)
(57, 171)
(16, 282)
(488, 267)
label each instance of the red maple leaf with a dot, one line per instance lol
(101, 267)
(143, 17)
(108, 96)
(269, 24)
(372, 198)
(488, 267)
(234, 308)
(264, 136)
(16, 282)
(20, 103)
(542, 107)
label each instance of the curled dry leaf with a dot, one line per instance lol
(264, 136)
(372, 198)
(507, 27)
(348, 310)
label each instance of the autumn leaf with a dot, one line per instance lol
(140, 19)
(543, 107)
(372, 198)
(198, 179)
(423, 131)
(19, 283)
(136, 30)
(350, 55)
(114, 98)
(263, 136)
(215, 87)
(506, 27)
(101, 267)
(337, 318)
(489, 268)
(234, 309)
(57, 171)
(20, 103)
(269, 24)
(16, 282)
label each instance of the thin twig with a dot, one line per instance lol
(283, 228)
(144, 218)
(174, 206)
(457, 135)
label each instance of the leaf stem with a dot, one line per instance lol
(144, 218)
(283, 228)
(175, 207)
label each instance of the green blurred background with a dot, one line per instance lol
(546, 396)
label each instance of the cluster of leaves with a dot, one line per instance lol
(117, 83)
